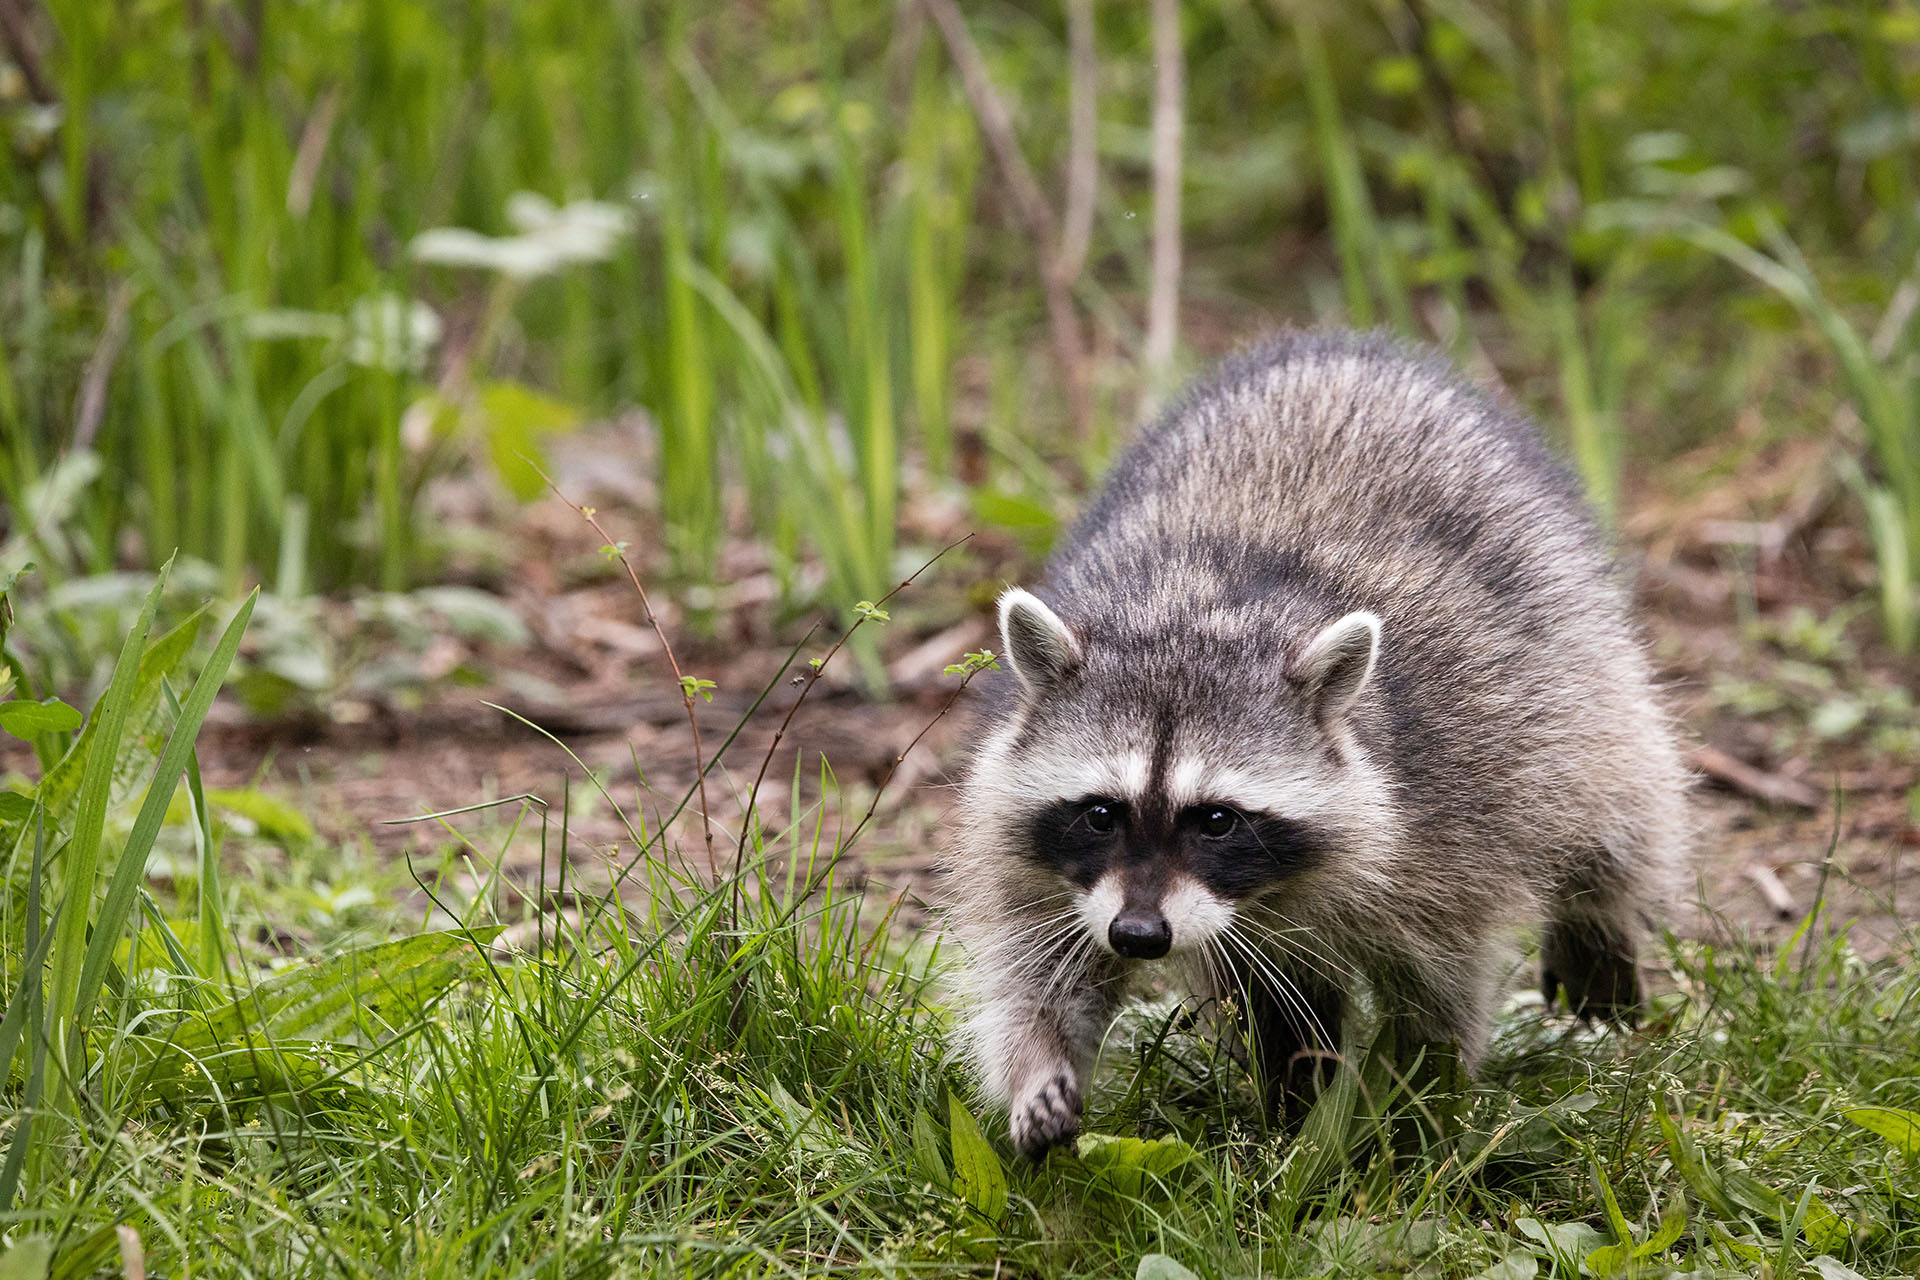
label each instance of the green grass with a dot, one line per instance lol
(749, 1076)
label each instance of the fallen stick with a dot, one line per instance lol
(1767, 881)
(1737, 774)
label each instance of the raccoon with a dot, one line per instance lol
(1331, 688)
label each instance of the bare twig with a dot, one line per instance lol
(1083, 142)
(90, 405)
(1775, 788)
(1767, 881)
(1169, 130)
(19, 45)
(1029, 205)
(313, 148)
(843, 847)
(688, 688)
(814, 672)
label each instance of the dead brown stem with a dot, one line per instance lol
(1030, 206)
(19, 45)
(1083, 150)
(1169, 137)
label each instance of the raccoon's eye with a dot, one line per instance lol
(1101, 818)
(1218, 822)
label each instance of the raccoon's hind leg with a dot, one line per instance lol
(1587, 947)
(1592, 960)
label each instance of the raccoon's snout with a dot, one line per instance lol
(1140, 934)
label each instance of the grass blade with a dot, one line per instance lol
(127, 873)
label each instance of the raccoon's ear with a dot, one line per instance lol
(1038, 645)
(1335, 667)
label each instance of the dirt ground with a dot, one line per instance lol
(1720, 549)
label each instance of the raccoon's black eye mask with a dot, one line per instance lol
(1234, 854)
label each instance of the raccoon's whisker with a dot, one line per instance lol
(1295, 940)
(1286, 988)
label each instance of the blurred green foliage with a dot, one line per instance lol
(277, 266)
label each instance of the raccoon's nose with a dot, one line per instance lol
(1140, 935)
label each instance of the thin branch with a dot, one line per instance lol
(1083, 143)
(90, 405)
(1169, 138)
(19, 45)
(687, 687)
(1029, 205)
(814, 672)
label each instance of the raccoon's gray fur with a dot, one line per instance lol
(1332, 686)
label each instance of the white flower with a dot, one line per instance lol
(387, 331)
(549, 238)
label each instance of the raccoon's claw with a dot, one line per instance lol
(1047, 1116)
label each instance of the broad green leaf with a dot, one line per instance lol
(1622, 1229)
(1693, 1167)
(27, 1259)
(1515, 1266)
(804, 1124)
(926, 1150)
(1609, 1259)
(1130, 1166)
(1322, 1143)
(15, 806)
(1158, 1266)
(1673, 1224)
(1823, 1228)
(28, 720)
(1831, 1268)
(274, 819)
(977, 1176)
(1897, 1125)
(516, 419)
(1566, 1241)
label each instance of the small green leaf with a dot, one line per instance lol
(1609, 1259)
(694, 686)
(974, 663)
(926, 1150)
(1566, 1241)
(1823, 1228)
(15, 807)
(977, 1176)
(516, 421)
(1896, 1124)
(1130, 1166)
(868, 609)
(29, 720)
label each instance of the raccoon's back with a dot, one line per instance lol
(1324, 473)
(1352, 466)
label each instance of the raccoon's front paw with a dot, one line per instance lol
(1047, 1115)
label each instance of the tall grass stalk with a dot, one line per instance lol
(1369, 269)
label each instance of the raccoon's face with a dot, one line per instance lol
(1160, 799)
